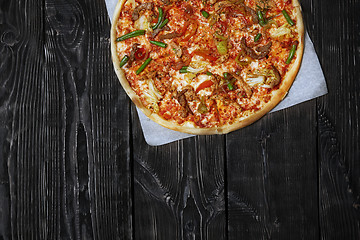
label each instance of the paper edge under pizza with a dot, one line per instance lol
(277, 95)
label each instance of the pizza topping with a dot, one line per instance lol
(190, 93)
(275, 79)
(132, 55)
(267, 78)
(203, 85)
(202, 108)
(176, 49)
(255, 80)
(193, 28)
(164, 23)
(140, 53)
(243, 85)
(262, 20)
(138, 9)
(257, 37)
(188, 9)
(253, 14)
(143, 66)
(185, 110)
(170, 36)
(264, 50)
(152, 96)
(131, 35)
(197, 66)
(281, 31)
(222, 47)
(124, 60)
(159, 44)
(287, 17)
(292, 52)
(221, 5)
(205, 14)
(184, 69)
(167, 2)
(206, 54)
(160, 18)
(158, 30)
(153, 89)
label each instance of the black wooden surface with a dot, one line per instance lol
(74, 163)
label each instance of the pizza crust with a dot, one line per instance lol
(277, 95)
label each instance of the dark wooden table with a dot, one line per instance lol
(74, 163)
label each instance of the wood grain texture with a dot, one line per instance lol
(98, 204)
(338, 116)
(271, 173)
(179, 190)
(64, 174)
(74, 163)
(22, 106)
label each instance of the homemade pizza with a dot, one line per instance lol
(207, 66)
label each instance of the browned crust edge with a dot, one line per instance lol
(278, 94)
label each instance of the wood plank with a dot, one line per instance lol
(336, 37)
(25, 131)
(272, 175)
(64, 160)
(179, 188)
(96, 181)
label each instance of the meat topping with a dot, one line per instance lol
(264, 50)
(243, 85)
(134, 47)
(138, 9)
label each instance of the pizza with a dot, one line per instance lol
(206, 66)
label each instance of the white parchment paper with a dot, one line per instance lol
(310, 83)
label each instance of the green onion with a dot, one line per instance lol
(260, 15)
(209, 73)
(130, 35)
(230, 86)
(164, 23)
(161, 15)
(124, 60)
(225, 74)
(287, 17)
(257, 37)
(160, 44)
(291, 54)
(205, 14)
(143, 66)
